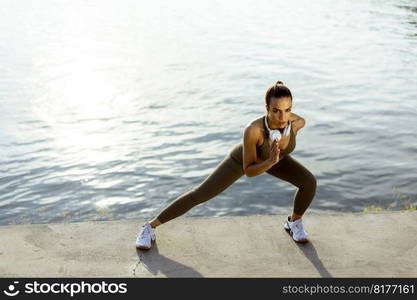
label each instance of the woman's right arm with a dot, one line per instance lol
(251, 166)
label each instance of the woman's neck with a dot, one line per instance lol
(269, 125)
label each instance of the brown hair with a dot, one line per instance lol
(277, 90)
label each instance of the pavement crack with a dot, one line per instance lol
(136, 265)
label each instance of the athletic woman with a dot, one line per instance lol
(267, 143)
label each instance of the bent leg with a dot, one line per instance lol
(292, 171)
(225, 173)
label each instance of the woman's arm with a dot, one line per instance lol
(251, 165)
(297, 122)
(259, 168)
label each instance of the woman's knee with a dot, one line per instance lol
(309, 181)
(313, 182)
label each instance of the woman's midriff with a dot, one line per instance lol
(262, 152)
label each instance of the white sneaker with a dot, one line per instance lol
(296, 230)
(145, 237)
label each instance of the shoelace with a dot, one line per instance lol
(144, 231)
(299, 227)
(150, 231)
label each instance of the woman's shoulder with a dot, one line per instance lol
(256, 126)
(256, 123)
(255, 130)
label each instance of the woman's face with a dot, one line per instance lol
(279, 111)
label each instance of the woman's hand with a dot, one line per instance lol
(274, 152)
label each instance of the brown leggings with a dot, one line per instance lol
(228, 171)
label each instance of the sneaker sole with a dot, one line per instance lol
(145, 247)
(286, 227)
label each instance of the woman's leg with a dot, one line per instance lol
(225, 173)
(292, 171)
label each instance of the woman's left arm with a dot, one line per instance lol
(297, 122)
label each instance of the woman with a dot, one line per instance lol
(267, 142)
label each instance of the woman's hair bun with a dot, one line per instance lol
(279, 82)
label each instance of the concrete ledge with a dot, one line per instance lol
(341, 245)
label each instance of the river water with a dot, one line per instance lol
(110, 110)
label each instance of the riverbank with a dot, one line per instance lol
(341, 245)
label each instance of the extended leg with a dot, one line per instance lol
(225, 174)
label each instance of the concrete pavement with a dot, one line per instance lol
(341, 245)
